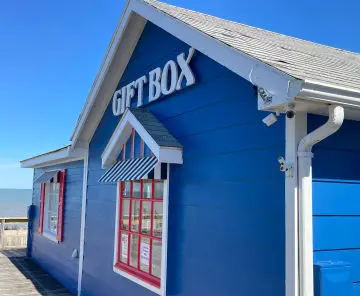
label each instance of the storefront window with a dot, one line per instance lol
(140, 229)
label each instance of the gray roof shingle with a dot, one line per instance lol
(155, 128)
(299, 58)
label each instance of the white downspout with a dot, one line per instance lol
(336, 118)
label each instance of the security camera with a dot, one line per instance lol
(290, 114)
(270, 119)
(281, 160)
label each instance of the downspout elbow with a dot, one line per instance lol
(336, 119)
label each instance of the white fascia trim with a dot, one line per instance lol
(330, 94)
(110, 53)
(83, 222)
(251, 69)
(57, 157)
(122, 133)
(242, 64)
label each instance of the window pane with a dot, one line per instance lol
(158, 219)
(125, 214)
(156, 258)
(159, 189)
(144, 254)
(136, 189)
(126, 189)
(145, 217)
(52, 206)
(135, 215)
(134, 247)
(124, 247)
(147, 186)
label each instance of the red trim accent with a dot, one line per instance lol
(42, 202)
(126, 267)
(61, 206)
(150, 279)
(133, 143)
(151, 224)
(140, 221)
(130, 209)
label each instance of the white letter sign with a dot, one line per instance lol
(160, 82)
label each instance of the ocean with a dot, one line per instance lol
(14, 202)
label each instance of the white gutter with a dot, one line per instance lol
(336, 118)
(327, 93)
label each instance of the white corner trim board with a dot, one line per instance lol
(296, 128)
(83, 221)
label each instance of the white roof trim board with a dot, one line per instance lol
(290, 67)
(161, 143)
(62, 155)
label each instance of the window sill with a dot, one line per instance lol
(50, 236)
(138, 281)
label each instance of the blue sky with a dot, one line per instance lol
(50, 52)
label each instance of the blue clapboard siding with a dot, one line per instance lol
(336, 196)
(56, 258)
(226, 212)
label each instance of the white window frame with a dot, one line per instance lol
(162, 290)
(46, 231)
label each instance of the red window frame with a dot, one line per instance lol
(147, 277)
(61, 204)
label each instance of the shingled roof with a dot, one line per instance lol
(155, 128)
(299, 58)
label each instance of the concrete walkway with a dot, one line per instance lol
(19, 276)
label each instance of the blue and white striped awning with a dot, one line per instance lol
(46, 177)
(129, 169)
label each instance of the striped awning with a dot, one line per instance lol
(129, 169)
(46, 177)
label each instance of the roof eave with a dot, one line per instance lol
(253, 70)
(57, 157)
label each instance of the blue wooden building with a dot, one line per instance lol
(192, 171)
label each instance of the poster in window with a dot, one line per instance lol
(124, 246)
(144, 253)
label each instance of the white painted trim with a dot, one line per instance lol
(50, 236)
(83, 221)
(251, 69)
(165, 231)
(330, 94)
(122, 133)
(52, 158)
(296, 128)
(118, 54)
(255, 71)
(162, 290)
(103, 69)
